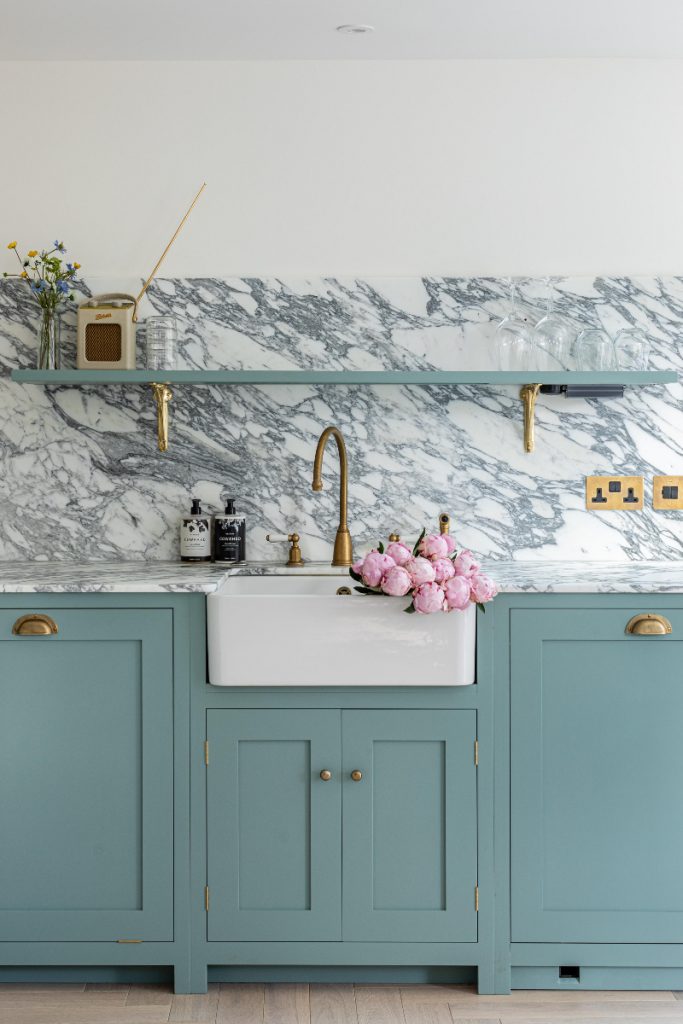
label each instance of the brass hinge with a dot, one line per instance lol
(476, 899)
(476, 753)
(206, 752)
(206, 898)
(127, 942)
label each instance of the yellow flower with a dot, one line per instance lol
(77, 266)
(12, 245)
(24, 273)
(32, 253)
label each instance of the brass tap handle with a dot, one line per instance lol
(356, 775)
(35, 625)
(648, 624)
(444, 523)
(326, 775)
(295, 557)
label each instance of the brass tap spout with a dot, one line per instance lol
(343, 547)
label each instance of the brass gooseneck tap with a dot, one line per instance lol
(343, 547)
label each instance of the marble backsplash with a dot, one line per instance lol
(81, 477)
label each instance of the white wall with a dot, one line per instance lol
(467, 167)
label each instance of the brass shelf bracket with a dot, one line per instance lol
(529, 394)
(162, 396)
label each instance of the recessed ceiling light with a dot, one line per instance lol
(355, 30)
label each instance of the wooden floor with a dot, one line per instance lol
(328, 1004)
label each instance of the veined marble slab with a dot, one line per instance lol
(81, 478)
(163, 577)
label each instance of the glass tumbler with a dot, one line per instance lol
(161, 342)
(632, 349)
(595, 350)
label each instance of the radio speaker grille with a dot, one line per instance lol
(103, 343)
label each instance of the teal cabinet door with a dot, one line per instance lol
(410, 826)
(597, 778)
(86, 777)
(274, 825)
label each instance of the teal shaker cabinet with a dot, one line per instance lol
(341, 825)
(597, 776)
(86, 776)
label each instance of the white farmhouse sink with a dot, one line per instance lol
(298, 631)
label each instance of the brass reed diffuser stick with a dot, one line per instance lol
(163, 255)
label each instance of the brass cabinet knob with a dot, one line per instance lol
(35, 625)
(356, 776)
(325, 775)
(648, 624)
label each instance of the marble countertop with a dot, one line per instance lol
(175, 577)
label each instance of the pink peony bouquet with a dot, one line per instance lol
(433, 574)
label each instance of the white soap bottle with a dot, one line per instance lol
(195, 535)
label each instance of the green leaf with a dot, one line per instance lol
(410, 610)
(481, 607)
(380, 548)
(355, 576)
(417, 543)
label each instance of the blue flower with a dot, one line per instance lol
(59, 246)
(62, 286)
(69, 266)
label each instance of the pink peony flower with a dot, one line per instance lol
(483, 588)
(397, 581)
(434, 546)
(399, 552)
(421, 571)
(357, 567)
(457, 592)
(443, 569)
(466, 564)
(374, 567)
(428, 598)
(450, 543)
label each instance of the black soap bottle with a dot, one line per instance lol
(229, 535)
(195, 535)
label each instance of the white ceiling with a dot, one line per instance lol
(305, 29)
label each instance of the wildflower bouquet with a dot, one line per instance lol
(50, 279)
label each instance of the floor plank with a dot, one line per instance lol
(558, 1010)
(286, 1004)
(195, 1009)
(39, 996)
(40, 1013)
(379, 1004)
(149, 995)
(460, 994)
(240, 1004)
(333, 1004)
(427, 1013)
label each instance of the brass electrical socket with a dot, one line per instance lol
(607, 493)
(667, 492)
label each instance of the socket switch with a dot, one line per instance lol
(667, 492)
(607, 493)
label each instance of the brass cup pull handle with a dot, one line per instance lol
(35, 625)
(326, 775)
(648, 624)
(356, 776)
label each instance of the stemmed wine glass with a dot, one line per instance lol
(513, 336)
(553, 335)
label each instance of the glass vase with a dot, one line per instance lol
(49, 338)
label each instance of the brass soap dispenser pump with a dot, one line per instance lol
(343, 547)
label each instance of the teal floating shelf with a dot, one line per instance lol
(418, 377)
(159, 381)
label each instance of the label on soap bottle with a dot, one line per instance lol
(195, 539)
(230, 538)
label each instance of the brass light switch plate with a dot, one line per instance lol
(607, 493)
(667, 492)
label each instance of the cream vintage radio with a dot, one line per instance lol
(107, 323)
